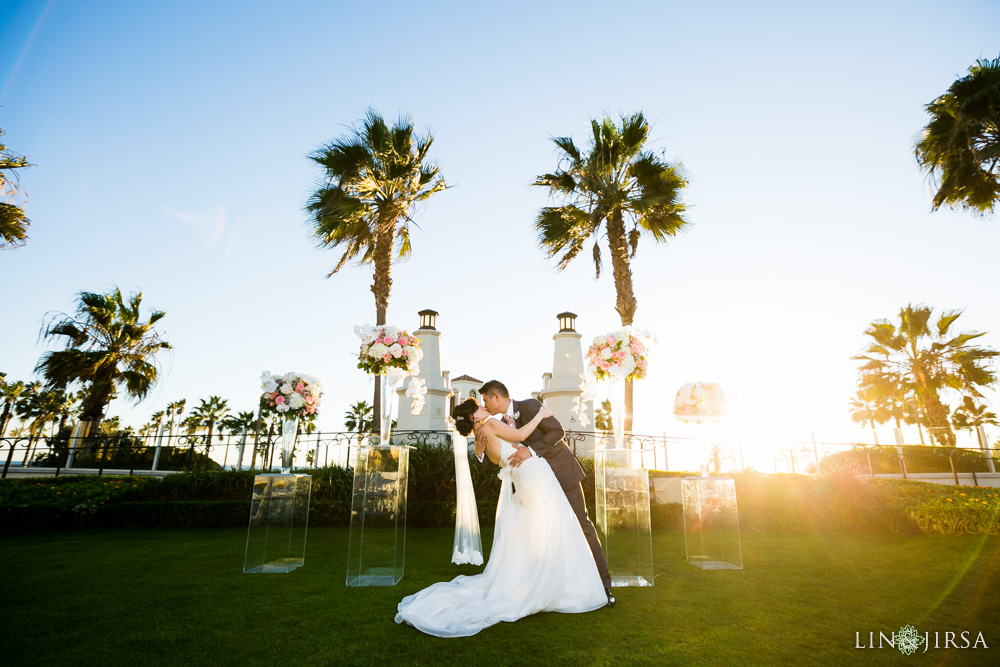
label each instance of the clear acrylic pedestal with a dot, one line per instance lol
(711, 523)
(622, 508)
(279, 520)
(377, 542)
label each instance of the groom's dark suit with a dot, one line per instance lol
(547, 441)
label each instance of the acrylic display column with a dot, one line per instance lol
(377, 542)
(711, 523)
(279, 520)
(622, 507)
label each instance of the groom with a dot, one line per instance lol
(547, 441)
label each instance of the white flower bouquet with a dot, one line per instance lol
(620, 355)
(385, 347)
(700, 401)
(392, 352)
(291, 395)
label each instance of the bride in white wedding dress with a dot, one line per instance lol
(540, 559)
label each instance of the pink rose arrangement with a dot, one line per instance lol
(291, 395)
(385, 347)
(620, 355)
(390, 351)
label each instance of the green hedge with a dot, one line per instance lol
(840, 500)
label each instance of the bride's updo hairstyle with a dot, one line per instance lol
(463, 415)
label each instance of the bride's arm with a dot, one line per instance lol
(511, 434)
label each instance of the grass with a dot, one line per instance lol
(149, 597)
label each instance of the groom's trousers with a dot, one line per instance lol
(575, 496)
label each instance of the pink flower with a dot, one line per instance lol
(387, 341)
(401, 341)
(279, 400)
(309, 400)
(386, 357)
(299, 387)
(620, 354)
(311, 409)
(636, 346)
(403, 354)
(605, 365)
(612, 340)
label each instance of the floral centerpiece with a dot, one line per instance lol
(292, 396)
(619, 356)
(700, 402)
(394, 353)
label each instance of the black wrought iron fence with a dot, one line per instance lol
(258, 451)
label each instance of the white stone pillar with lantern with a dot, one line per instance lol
(435, 412)
(562, 386)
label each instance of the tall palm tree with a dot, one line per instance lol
(359, 418)
(10, 392)
(174, 411)
(13, 222)
(108, 348)
(959, 147)
(207, 414)
(616, 188)
(373, 180)
(932, 358)
(241, 422)
(38, 408)
(971, 414)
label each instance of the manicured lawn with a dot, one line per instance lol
(180, 598)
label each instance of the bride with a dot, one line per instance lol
(540, 559)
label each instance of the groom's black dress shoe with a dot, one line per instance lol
(611, 598)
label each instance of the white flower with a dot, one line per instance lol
(396, 350)
(287, 388)
(282, 408)
(377, 350)
(270, 387)
(417, 390)
(296, 401)
(392, 332)
(395, 375)
(605, 353)
(600, 340)
(628, 364)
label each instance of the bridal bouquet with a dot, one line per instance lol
(620, 355)
(700, 401)
(392, 352)
(291, 395)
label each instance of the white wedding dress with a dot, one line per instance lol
(540, 561)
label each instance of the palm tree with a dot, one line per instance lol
(37, 409)
(932, 359)
(359, 418)
(10, 392)
(210, 411)
(621, 185)
(13, 222)
(175, 410)
(959, 147)
(374, 178)
(107, 348)
(970, 415)
(242, 422)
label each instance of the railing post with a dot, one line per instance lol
(984, 445)
(10, 456)
(951, 460)
(819, 471)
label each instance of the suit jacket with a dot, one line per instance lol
(547, 441)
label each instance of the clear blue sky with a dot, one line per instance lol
(171, 142)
